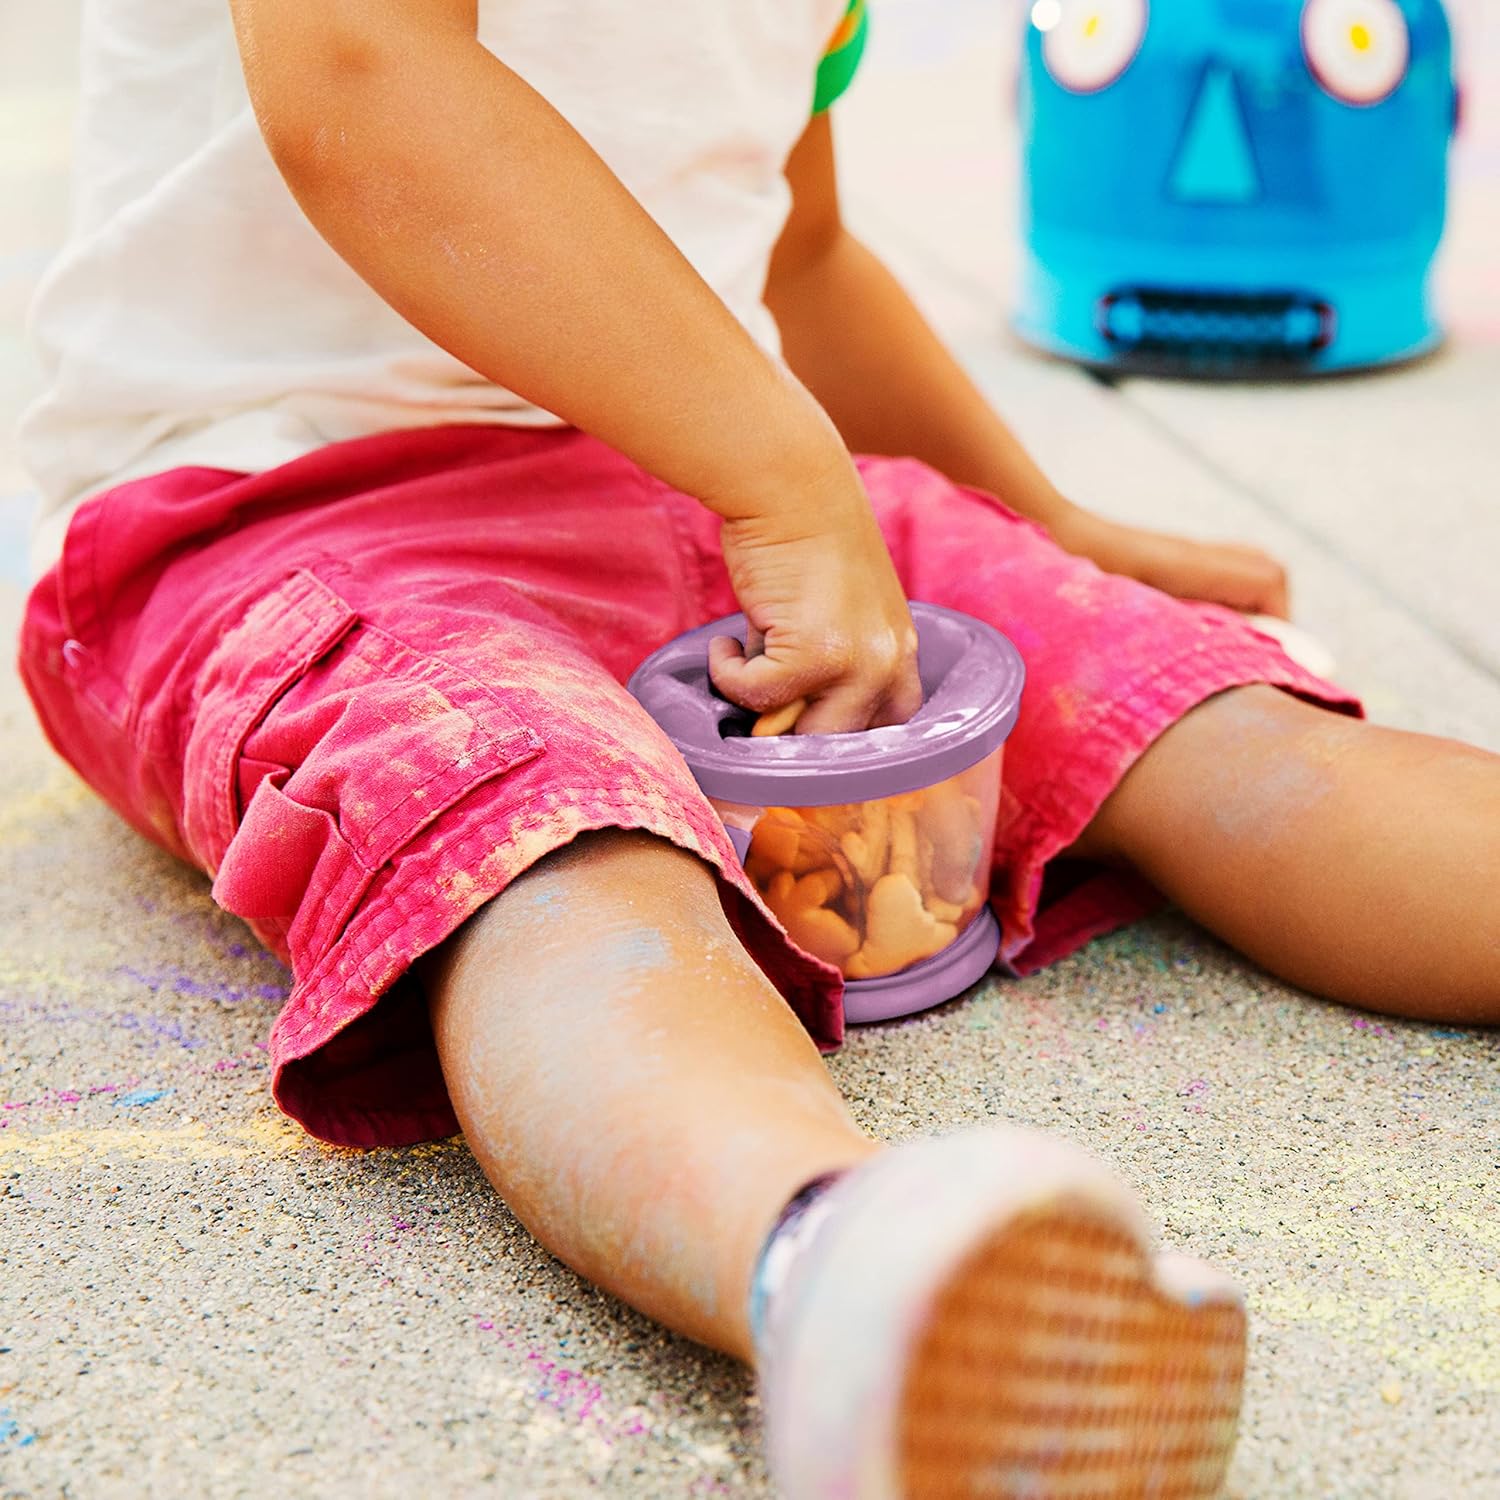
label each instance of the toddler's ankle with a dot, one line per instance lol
(793, 1231)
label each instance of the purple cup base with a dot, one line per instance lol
(963, 962)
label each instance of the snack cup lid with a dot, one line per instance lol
(971, 693)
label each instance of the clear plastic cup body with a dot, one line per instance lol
(875, 887)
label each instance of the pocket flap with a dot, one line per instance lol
(280, 635)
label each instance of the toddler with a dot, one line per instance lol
(417, 367)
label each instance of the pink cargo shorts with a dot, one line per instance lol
(366, 690)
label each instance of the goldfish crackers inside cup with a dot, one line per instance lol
(875, 887)
(871, 849)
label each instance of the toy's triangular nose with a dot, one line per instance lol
(1215, 162)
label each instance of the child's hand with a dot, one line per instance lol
(827, 615)
(1243, 578)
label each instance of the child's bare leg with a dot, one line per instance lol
(640, 1095)
(647, 1105)
(1359, 862)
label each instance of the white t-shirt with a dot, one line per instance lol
(196, 317)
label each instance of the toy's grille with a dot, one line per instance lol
(1223, 328)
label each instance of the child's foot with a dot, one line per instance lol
(980, 1316)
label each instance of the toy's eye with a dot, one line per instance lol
(1357, 49)
(1087, 44)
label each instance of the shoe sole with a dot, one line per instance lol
(1055, 1363)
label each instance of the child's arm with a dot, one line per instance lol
(862, 347)
(468, 203)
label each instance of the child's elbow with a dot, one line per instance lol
(308, 116)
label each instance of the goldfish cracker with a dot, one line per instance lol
(850, 905)
(925, 858)
(899, 930)
(861, 857)
(774, 845)
(833, 823)
(848, 898)
(836, 819)
(815, 851)
(783, 840)
(817, 888)
(779, 720)
(944, 911)
(778, 893)
(903, 860)
(798, 905)
(867, 847)
(835, 860)
(823, 933)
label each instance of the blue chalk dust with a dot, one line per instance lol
(10, 1432)
(137, 1097)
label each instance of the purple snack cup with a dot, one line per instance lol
(872, 849)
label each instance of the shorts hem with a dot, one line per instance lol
(1080, 784)
(461, 862)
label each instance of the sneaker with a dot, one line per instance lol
(980, 1315)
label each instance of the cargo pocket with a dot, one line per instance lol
(327, 746)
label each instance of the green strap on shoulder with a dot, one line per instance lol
(841, 61)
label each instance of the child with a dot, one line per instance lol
(400, 403)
